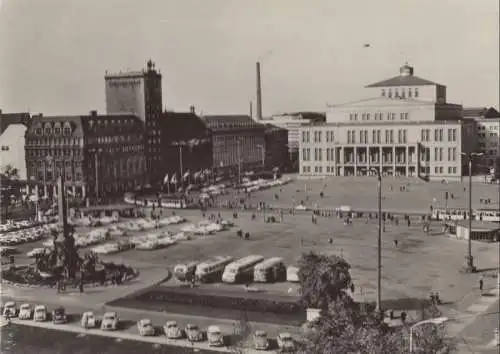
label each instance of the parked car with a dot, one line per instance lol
(193, 333)
(286, 343)
(25, 312)
(109, 321)
(88, 320)
(172, 330)
(214, 336)
(59, 315)
(40, 313)
(145, 327)
(9, 309)
(260, 341)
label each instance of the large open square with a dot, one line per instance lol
(418, 264)
(398, 193)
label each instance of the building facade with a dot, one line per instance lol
(276, 154)
(187, 144)
(98, 155)
(292, 122)
(237, 142)
(488, 134)
(407, 129)
(140, 93)
(12, 149)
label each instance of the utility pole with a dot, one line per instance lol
(239, 161)
(96, 166)
(379, 244)
(180, 160)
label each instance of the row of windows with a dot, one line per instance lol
(332, 156)
(56, 131)
(402, 93)
(440, 170)
(425, 134)
(438, 154)
(5, 148)
(56, 141)
(55, 152)
(377, 116)
(376, 136)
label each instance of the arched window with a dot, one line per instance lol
(383, 92)
(47, 129)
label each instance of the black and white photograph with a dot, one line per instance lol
(249, 176)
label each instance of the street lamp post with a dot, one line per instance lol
(379, 240)
(239, 160)
(469, 267)
(436, 321)
(263, 155)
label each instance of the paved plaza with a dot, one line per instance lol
(418, 264)
(361, 193)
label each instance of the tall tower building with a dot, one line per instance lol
(139, 93)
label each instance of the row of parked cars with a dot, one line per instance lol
(110, 322)
(26, 235)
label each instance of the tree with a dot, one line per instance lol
(346, 326)
(10, 172)
(322, 279)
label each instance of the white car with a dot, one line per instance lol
(88, 320)
(286, 343)
(25, 312)
(9, 309)
(109, 321)
(260, 340)
(145, 327)
(214, 336)
(40, 313)
(172, 330)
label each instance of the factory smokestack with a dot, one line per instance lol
(259, 94)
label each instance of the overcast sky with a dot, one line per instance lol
(53, 53)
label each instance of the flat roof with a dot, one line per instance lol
(477, 226)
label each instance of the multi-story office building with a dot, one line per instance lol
(237, 142)
(140, 93)
(187, 143)
(98, 155)
(292, 122)
(488, 134)
(277, 153)
(405, 129)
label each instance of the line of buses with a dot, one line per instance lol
(491, 215)
(252, 268)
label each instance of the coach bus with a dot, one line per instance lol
(241, 270)
(212, 269)
(185, 271)
(270, 270)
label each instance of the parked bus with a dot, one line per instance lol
(292, 274)
(185, 272)
(212, 269)
(241, 270)
(270, 270)
(491, 215)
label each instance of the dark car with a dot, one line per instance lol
(59, 316)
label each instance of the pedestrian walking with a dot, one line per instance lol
(481, 284)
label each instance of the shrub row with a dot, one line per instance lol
(222, 302)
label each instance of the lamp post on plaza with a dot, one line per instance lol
(469, 267)
(379, 240)
(96, 166)
(48, 161)
(263, 155)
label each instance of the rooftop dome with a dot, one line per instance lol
(406, 70)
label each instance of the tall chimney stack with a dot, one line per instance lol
(259, 94)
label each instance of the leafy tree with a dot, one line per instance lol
(352, 328)
(323, 279)
(10, 172)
